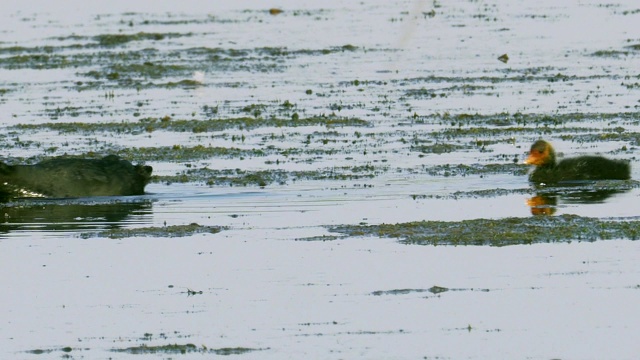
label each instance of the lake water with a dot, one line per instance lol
(410, 117)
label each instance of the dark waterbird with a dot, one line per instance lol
(70, 177)
(549, 170)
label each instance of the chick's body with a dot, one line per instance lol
(549, 170)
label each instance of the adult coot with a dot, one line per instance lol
(69, 177)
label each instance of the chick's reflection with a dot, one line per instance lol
(547, 202)
(543, 204)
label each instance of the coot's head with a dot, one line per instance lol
(541, 154)
(144, 171)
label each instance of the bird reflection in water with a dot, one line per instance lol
(72, 214)
(543, 204)
(546, 201)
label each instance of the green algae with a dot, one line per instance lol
(119, 39)
(486, 128)
(65, 350)
(466, 89)
(39, 58)
(56, 113)
(265, 53)
(397, 292)
(111, 64)
(233, 351)
(262, 178)
(500, 232)
(522, 121)
(610, 53)
(101, 40)
(186, 153)
(147, 69)
(615, 135)
(118, 69)
(511, 75)
(36, 61)
(195, 126)
(475, 132)
(438, 148)
(183, 349)
(231, 177)
(164, 231)
(320, 238)
(434, 290)
(476, 169)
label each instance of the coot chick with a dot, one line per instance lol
(67, 177)
(547, 170)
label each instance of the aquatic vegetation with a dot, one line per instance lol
(196, 126)
(610, 53)
(126, 69)
(433, 290)
(66, 349)
(500, 232)
(124, 72)
(184, 153)
(397, 292)
(438, 148)
(475, 169)
(262, 178)
(183, 349)
(163, 231)
(119, 39)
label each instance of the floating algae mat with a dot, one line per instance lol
(167, 231)
(500, 232)
(182, 349)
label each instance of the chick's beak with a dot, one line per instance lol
(534, 159)
(528, 160)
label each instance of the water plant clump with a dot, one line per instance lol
(163, 231)
(183, 349)
(196, 126)
(500, 232)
